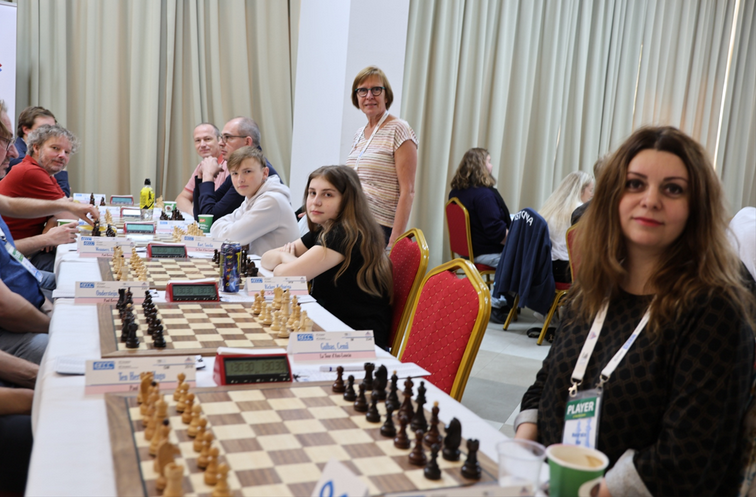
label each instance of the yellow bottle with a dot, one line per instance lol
(147, 200)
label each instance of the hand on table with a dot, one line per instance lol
(61, 235)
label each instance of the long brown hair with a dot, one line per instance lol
(472, 170)
(375, 276)
(700, 263)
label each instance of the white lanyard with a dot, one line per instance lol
(20, 258)
(590, 343)
(372, 135)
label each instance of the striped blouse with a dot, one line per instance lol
(377, 170)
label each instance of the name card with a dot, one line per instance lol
(102, 246)
(201, 243)
(338, 481)
(167, 226)
(297, 285)
(115, 212)
(83, 198)
(122, 375)
(95, 292)
(328, 346)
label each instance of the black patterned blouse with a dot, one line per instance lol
(677, 399)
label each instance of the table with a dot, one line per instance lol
(72, 453)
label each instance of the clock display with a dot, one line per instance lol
(167, 251)
(245, 366)
(139, 227)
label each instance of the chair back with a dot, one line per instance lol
(458, 224)
(571, 252)
(448, 319)
(409, 259)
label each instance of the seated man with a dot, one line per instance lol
(50, 149)
(207, 144)
(265, 220)
(238, 132)
(30, 119)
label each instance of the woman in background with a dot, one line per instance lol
(384, 154)
(575, 189)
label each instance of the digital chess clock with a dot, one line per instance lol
(121, 200)
(192, 291)
(166, 251)
(139, 228)
(131, 214)
(238, 366)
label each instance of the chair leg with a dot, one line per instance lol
(512, 312)
(547, 321)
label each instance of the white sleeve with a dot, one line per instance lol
(247, 225)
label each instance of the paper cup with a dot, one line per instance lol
(575, 470)
(169, 207)
(62, 222)
(205, 221)
(520, 464)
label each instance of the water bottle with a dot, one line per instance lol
(147, 200)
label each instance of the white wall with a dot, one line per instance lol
(8, 15)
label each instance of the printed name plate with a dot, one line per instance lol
(297, 285)
(122, 375)
(337, 480)
(327, 346)
(201, 243)
(167, 226)
(115, 212)
(97, 292)
(102, 246)
(83, 198)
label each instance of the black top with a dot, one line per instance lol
(677, 398)
(344, 298)
(489, 217)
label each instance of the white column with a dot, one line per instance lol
(337, 39)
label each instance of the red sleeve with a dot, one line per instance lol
(36, 183)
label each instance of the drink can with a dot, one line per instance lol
(230, 275)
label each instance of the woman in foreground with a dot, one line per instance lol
(343, 254)
(654, 244)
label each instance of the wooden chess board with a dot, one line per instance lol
(161, 271)
(190, 329)
(276, 439)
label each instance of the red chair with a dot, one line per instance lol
(449, 317)
(460, 239)
(409, 260)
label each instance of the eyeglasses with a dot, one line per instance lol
(376, 90)
(9, 145)
(226, 137)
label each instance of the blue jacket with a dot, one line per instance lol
(525, 265)
(15, 276)
(489, 218)
(61, 177)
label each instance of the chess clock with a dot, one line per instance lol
(137, 228)
(192, 291)
(244, 368)
(166, 251)
(121, 200)
(131, 214)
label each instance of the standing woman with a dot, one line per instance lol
(658, 280)
(384, 154)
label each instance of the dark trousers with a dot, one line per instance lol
(16, 443)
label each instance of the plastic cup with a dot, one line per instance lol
(205, 221)
(520, 463)
(575, 470)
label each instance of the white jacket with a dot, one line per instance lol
(265, 221)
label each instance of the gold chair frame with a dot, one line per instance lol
(487, 274)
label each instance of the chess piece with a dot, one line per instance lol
(204, 458)
(221, 488)
(338, 386)
(177, 393)
(392, 397)
(407, 408)
(402, 440)
(433, 436)
(144, 385)
(417, 457)
(186, 417)
(174, 475)
(380, 381)
(452, 440)
(194, 424)
(276, 324)
(360, 405)
(388, 429)
(432, 471)
(102, 202)
(132, 340)
(372, 414)
(349, 394)
(110, 232)
(199, 440)
(471, 469)
(91, 199)
(418, 420)
(165, 456)
(368, 380)
(96, 228)
(211, 472)
(160, 414)
(150, 408)
(161, 434)
(159, 339)
(181, 405)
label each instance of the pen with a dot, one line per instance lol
(352, 367)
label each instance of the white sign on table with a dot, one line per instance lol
(326, 346)
(201, 243)
(122, 375)
(83, 198)
(97, 292)
(102, 246)
(338, 481)
(297, 285)
(168, 226)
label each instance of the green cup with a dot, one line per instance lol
(205, 221)
(169, 207)
(574, 470)
(62, 222)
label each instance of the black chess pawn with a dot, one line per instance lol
(432, 471)
(164, 216)
(102, 202)
(407, 408)
(417, 457)
(393, 398)
(159, 340)
(388, 429)
(368, 380)
(339, 386)
(121, 298)
(380, 382)
(418, 420)
(349, 394)
(126, 320)
(360, 405)
(91, 199)
(402, 440)
(110, 232)
(372, 414)
(132, 342)
(452, 440)
(216, 256)
(471, 469)
(433, 436)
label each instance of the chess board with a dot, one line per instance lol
(276, 439)
(190, 329)
(161, 271)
